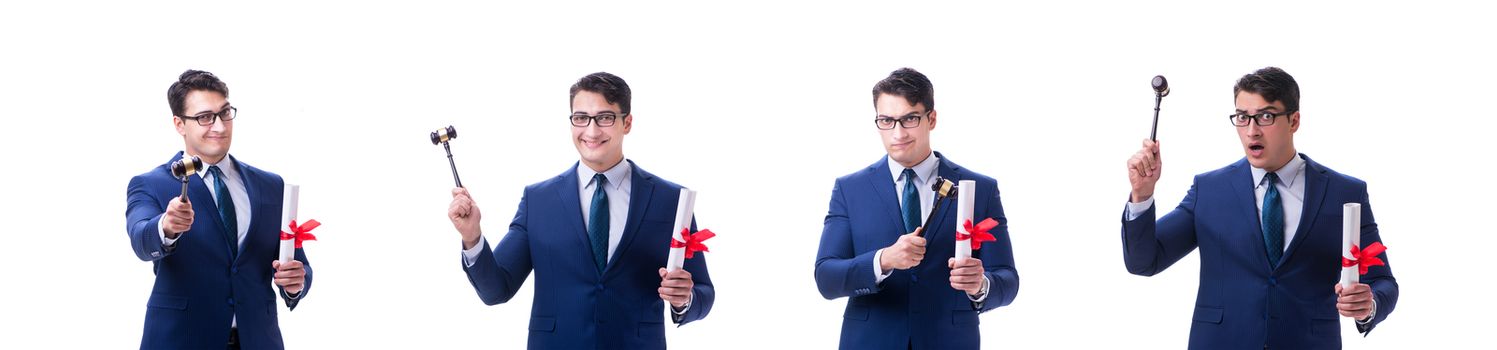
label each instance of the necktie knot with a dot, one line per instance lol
(1272, 178)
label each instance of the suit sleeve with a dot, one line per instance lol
(1149, 247)
(840, 271)
(142, 221)
(998, 259)
(702, 292)
(1379, 278)
(499, 272)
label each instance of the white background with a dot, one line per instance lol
(757, 105)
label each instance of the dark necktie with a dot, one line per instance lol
(1273, 221)
(911, 202)
(597, 222)
(225, 203)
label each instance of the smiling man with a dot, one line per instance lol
(1269, 230)
(215, 252)
(597, 237)
(905, 289)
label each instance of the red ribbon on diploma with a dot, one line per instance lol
(1364, 258)
(300, 233)
(979, 233)
(693, 241)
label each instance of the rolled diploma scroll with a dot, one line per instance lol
(966, 190)
(1351, 236)
(684, 207)
(288, 214)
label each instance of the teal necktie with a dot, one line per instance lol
(911, 203)
(597, 222)
(225, 203)
(1273, 221)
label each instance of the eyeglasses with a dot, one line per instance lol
(208, 118)
(908, 121)
(603, 119)
(1263, 119)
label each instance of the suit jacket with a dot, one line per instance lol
(199, 288)
(1243, 302)
(915, 307)
(575, 306)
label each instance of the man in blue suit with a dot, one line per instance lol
(874, 247)
(597, 236)
(214, 253)
(1269, 230)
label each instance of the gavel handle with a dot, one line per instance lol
(453, 164)
(1154, 131)
(935, 208)
(184, 190)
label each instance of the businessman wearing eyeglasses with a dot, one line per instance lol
(214, 252)
(904, 287)
(1269, 230)
(597, 237)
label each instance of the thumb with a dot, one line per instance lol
(662, 272)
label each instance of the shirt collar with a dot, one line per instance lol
(1287, 174)
(617, 175)
(226, 165)
(924, 171)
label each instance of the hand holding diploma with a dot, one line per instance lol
(290, 275)
(675, 287)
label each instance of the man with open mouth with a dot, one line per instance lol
(1269, 230)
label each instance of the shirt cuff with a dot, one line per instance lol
(161, 228)
(291, 296)
(878, 272)
(1137, 209)
(470, 255)
(982, 294)
(684, 308)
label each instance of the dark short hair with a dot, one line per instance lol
(907, 83)
(612, 87)
(189, 81)
(1273, 84)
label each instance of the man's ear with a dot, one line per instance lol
(181, 125)
(1294, 122)
(628, 122)
(932, 119)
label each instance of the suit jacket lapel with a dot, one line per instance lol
(566, 191)
(1241, 183)
(1315, 191)
(883, 184)
(641, 189)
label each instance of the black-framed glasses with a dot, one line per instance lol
(908, 121)
(602, 119)
(208, 118)
(1240, 119)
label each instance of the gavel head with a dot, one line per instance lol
(186, 166)
(443, 135)
(1161, 86)
(943, 187)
